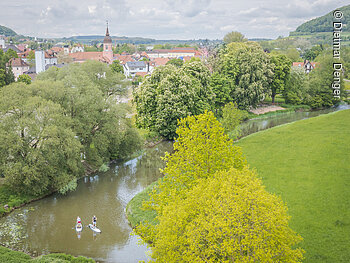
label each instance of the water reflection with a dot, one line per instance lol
(259, 124)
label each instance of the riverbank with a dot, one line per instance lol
(10, 200)
(10, 256)
(307, 163)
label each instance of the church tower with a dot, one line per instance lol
(107, 46)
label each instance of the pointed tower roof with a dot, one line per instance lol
(107, 38)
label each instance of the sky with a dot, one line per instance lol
(167, 19)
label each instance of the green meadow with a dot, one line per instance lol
(307, 163)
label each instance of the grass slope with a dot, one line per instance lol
(10, 256)
(307, 163)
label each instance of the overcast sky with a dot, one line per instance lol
(167, 19)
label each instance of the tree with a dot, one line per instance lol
(31, 58)
(172, 93)
(231, 118)
(24, 78)
(64, 58)
(201, 149)
(222, 91)
(88, 94)
(281, 70)
(10, 53)
(296, 87)
(320, 92)
(6, 74)
(39, 152)
(248, 72)
(228, 217)
(312, 53)
(117, 67)
(234, 36)
(178, 62)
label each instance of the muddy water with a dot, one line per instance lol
(46, 226)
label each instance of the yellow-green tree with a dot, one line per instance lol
(201, 149)
(229, 217)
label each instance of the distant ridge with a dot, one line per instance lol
(324, 23)
(8, 32)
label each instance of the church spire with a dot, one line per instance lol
(107, 33)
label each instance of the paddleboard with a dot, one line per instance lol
(95, 229)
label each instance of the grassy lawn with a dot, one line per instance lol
(134, 212)
(307, 163)
(10, 256)
(8, 197)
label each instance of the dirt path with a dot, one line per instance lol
(264, 109)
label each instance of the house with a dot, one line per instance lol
(306, 65)
(18, 67)
(13, 47)
(77, 48)
(133, 67)
(173, 53)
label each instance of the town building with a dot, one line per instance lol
(18, 67)
(306, 65)
(135, 67)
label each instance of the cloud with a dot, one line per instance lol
(179, 19)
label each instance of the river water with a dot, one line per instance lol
(47, 226)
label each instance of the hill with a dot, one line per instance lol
(7, 31)
(324, 23)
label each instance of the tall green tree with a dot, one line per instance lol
(89, 94)
(117, 67)
(39, 151)
(234, 36)
(281, 70)
(295, 90)
(248, 71)
(10, 53)
(320, 92)
(6, 74)
(170, 94)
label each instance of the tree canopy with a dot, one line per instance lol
(229, 217)
(67, 115)
(248, 72)
(234, 36)
(6, 75)
(281, 70)
(211, 207)
(172, 93)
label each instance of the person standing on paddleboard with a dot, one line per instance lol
(94, 219)
(78, 220)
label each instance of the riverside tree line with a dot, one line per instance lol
(238, 72)
(66, 118)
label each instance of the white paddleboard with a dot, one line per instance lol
(95, 229)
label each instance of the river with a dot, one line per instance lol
(47, 226)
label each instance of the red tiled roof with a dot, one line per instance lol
(160, 61)
(302, 64)
(17, 62)
(123, 58)
(142, 74)
(57, 49)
